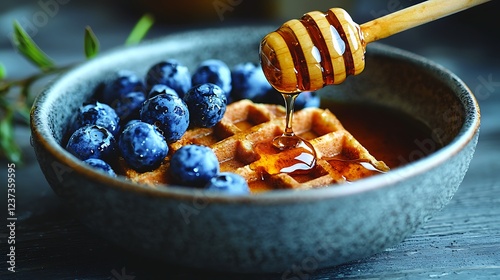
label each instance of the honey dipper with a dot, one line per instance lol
(322, 49)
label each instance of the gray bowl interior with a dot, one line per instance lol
(273, 231)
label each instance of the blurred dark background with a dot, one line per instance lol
(57, 25)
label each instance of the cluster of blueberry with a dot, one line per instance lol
(137, 118)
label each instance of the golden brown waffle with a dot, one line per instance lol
(247, 125)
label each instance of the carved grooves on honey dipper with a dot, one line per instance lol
(323, 49)
(299, 59)
(347, 55)
(314, 59)
(319, 42)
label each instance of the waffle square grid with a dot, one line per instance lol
(247, 125)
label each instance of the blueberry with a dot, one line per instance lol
(130, 123)
(213, 71)
(229, 183)
(159, 89)
(206, 104)
(100, 165)
(169, 113)
(125, 81)
(99, 114)
(92, 141)
(248, 82)
(170, 73)
(142, 146)
(193, 165)
(128, 106)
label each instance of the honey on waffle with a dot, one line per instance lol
(242, 141)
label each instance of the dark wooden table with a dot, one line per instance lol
(460, 242)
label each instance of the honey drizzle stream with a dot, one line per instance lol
(289, 105)
(306, 160)
(287, 141)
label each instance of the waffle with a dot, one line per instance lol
(247, 125)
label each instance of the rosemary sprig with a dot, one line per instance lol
(23, 42)
(91, 43)
(140, 30)
(15, 106)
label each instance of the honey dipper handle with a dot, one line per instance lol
(413, 16)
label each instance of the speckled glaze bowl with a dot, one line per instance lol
(278, 230)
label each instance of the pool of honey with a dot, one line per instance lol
(389, 135)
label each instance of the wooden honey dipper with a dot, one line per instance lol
(322, 49)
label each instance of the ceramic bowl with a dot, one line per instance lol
(274, 231)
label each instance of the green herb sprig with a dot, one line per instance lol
(16, 95)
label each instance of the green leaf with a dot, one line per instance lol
(8, 145)
(23, 42)
(91, 43)
(3, 72)
(140, 29)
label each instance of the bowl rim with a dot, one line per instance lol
(40, 132)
